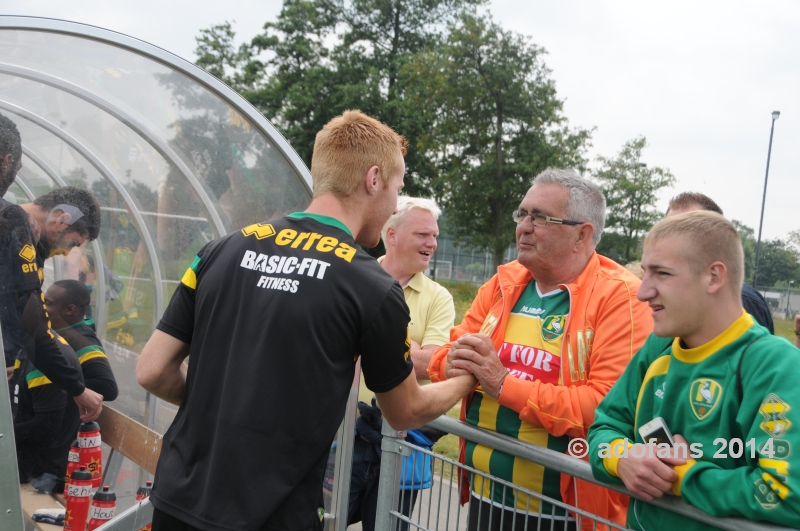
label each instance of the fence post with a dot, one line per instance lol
(389, 481)
(10, 503)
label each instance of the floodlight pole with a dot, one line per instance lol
(775, 115)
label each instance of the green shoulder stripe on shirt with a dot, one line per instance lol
(89, 353)
(36, 378)
(190, 277)
(327, 220)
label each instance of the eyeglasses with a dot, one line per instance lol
(540, 219)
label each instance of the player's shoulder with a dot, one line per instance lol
(775, 349)
(9, 210)
(15, 219)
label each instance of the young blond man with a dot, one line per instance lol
(410, 240)
(274, 317)
(719, 382)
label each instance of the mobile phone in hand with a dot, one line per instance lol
(656, 429)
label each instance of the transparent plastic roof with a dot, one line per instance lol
(174, 156)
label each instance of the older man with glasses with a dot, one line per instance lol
(547, 337)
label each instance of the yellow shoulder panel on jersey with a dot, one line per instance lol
(260, 231)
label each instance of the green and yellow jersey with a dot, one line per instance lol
(746, 435)
(531, 351)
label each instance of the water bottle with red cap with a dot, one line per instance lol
(144, 491)
(79, 492)
(73, 462)
(91, 452)
(104, 505)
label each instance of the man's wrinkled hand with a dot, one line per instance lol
(452, 371)
(475, 353)
(90, 404)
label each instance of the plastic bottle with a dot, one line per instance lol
(104, 505)
(91, 451)
(79, 492)
(73, 462)
(144, 491)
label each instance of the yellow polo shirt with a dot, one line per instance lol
(432, 316)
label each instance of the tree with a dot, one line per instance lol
(217, 54)
(631, 189)
(748, 238)
(777, 262)
(495, 123)
(321, 57)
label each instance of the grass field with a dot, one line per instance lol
(784, 328)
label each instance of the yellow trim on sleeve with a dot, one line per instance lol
(38, 381)
(681, 470)
(189, 279)
(92, 355)
(612, 463)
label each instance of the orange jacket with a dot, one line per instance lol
(606, 326)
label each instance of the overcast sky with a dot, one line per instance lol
(698, 79)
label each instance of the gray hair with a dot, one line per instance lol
(586, 200)
(404, 206)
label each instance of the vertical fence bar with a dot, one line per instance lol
(389, 482)
(340, 495)
(10, 501)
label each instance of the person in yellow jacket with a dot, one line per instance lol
(547, 337)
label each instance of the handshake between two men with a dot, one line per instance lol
(475, 354)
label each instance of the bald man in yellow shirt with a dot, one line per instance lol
(410, 240)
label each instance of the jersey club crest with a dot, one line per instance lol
(704, 395)
(553, 327)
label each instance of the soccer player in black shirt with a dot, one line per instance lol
(66, 302)
(46, 423)
(25, 323)
(273, 319)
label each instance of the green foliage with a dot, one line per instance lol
(777, 262)
(217, 54)
(463, 294)
(321, 57)
(748, 238)
(631, 190)
(495, 122)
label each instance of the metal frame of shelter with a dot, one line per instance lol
(37, 34)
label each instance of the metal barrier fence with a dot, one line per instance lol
(438, 508)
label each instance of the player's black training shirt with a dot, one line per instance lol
(25, 323)
(97, 373)
(276, 315)
(47, 420)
